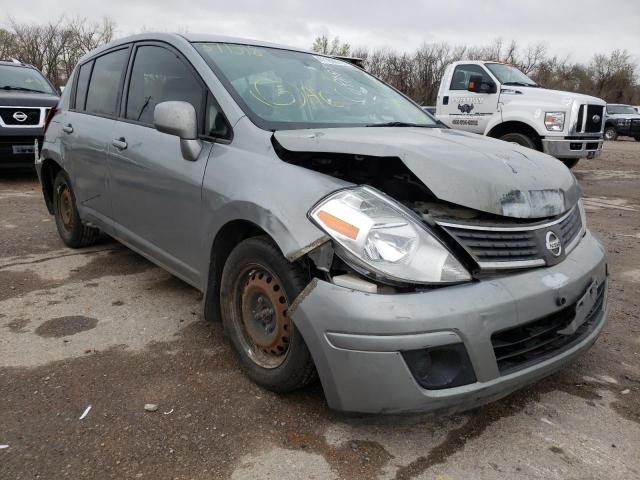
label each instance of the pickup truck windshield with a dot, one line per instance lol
(23, 79)
(284, 89)
(508, 75)
(624, 109)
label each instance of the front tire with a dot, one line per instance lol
(72, 231)
(570, 162)
(610, 134)
(519, 139)
(637, 138)
(256, 290)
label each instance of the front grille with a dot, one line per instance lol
(527, 344)
(635, 125)
(513, 247)
(32, 116)
(588, 125)
(490, 246)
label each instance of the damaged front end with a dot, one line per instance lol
(502, 229)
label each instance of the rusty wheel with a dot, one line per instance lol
(72, 230)
(257, 285)
(265, 324)
(65, 202)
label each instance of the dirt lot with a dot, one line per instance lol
(104, 327)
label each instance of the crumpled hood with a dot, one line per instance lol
(458, 167)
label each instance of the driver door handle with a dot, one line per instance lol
(67, 128)
(119, 143)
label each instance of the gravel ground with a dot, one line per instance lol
(102, 327)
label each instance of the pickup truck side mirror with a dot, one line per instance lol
(477, 85)
(179, 119)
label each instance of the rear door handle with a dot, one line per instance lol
(67, 128)
(119, 143)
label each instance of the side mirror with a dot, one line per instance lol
(476, 85)
(179, 119)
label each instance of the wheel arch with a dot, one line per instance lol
(48, 172)
(515, 126)
(228, 236)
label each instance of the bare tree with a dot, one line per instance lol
(55, 47)
(418, 74)
(322, 44)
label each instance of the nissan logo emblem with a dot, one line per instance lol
(553, 244)
(20, 116)
(595, 118)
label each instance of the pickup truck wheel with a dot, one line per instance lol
(256, 290)
(637, 138)
(610, 134)
(70, 227)
(519, 139)
(570, 162)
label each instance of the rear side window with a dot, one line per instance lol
(102, 96)
(159, 75)
(83, 82)
(463, 73)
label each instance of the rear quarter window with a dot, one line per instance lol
(81, 88)
(102, 95)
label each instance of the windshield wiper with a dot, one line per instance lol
(399, 124)
(22, 89)
(522, 84)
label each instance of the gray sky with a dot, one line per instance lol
(578, 28)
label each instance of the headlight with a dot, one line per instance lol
(380, 237)
(554, 121)
(623, 121)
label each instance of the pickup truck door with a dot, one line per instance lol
(464, 110)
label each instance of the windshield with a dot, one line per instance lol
(625, 109)
(25, 79)
(284, 89)
(508, 75)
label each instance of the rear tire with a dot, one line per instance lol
(256, 290)
(519, 139)
(570, 162)
(610, 134)
(70, 227)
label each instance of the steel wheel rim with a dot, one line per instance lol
(262, 322)
(65, 207)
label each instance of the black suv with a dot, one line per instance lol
(621, 120)
(26, 97)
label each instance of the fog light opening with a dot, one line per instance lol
(440, 367)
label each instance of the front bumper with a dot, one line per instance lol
(17, 147)
(356, 338)
(578, 147)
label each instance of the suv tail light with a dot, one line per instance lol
(47, 120)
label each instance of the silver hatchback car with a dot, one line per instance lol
(335, 228)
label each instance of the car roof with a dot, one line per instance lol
(11, 63)
(173, 38)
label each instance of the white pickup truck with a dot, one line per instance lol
(500, 101)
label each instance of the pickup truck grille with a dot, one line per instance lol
(505, 247)
(32, 116)
(525, 345)
(635, 126)
(587, 124)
